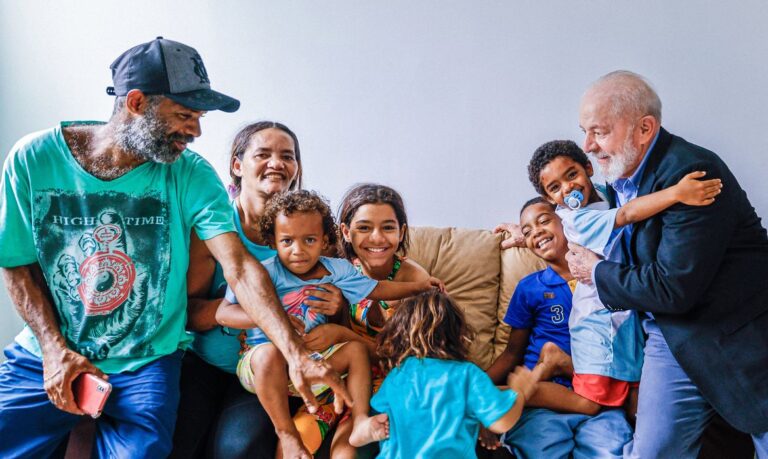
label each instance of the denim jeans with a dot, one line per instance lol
(545, 433)
(137, 421)
(671, 414)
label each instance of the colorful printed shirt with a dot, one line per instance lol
(358, 312)
(221, 346)
(292, 291)
(435, 408)
(114, 253)
(602, 342)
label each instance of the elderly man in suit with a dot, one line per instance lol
(698, 273)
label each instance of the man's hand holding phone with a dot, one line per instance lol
(91, 393)
(61, 366)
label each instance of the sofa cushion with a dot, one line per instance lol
(467, 261)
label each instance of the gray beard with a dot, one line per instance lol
(620, 162)
(146, 137)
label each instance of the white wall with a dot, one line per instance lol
(444, 100)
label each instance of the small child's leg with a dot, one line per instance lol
(559, 398)
(269, 380)
(553, 361)
(340, 447)
(353, 359)
(630, 404)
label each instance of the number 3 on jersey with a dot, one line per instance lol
(558, 314)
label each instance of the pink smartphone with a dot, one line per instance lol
(91, 393)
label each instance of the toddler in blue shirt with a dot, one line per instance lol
(299, 225)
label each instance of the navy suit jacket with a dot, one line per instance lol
(703, 273)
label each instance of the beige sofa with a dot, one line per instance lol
(479, 276)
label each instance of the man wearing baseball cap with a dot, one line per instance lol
(95, 221)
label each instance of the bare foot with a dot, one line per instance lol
(554, 362)
(369, 430)
(292, 447)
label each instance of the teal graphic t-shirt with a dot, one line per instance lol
(114, 253)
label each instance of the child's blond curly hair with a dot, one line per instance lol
(426, 325)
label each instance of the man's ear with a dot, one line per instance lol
(647, 128)
(136, 102)
(236, 166)
(345, 232)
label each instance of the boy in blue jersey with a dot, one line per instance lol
(538, 314)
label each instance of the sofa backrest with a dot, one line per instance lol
(478, 275)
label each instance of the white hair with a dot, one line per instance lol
(629, 94)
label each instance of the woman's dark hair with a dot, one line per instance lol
(426, 325)
(243, 140)
(372, 193)
(297, 201)
(546, 153)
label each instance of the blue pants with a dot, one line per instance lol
(137, 421)
(545, 433)
(671, 414)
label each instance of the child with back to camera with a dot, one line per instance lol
(299, 225)
(433, 400)
(607, 347)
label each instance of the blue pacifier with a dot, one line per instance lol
(573, 200)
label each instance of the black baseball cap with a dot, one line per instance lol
(168, 68)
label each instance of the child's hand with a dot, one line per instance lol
(523, 381)
(328, 299)
(324, 336)
(694, 192)
(488, 439)
(434, 282)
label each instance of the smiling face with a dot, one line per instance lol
(562, 175)
(617, 142)
(543, 232)
(183, 123)
(375, 234)
(159, 129)
(269, 164)
(299, 241)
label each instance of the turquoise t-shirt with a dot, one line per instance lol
(220, 346)
(114, 253)
(292, 291)
(436, 406)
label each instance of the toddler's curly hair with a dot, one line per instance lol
(296, 201)
(426, 325)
